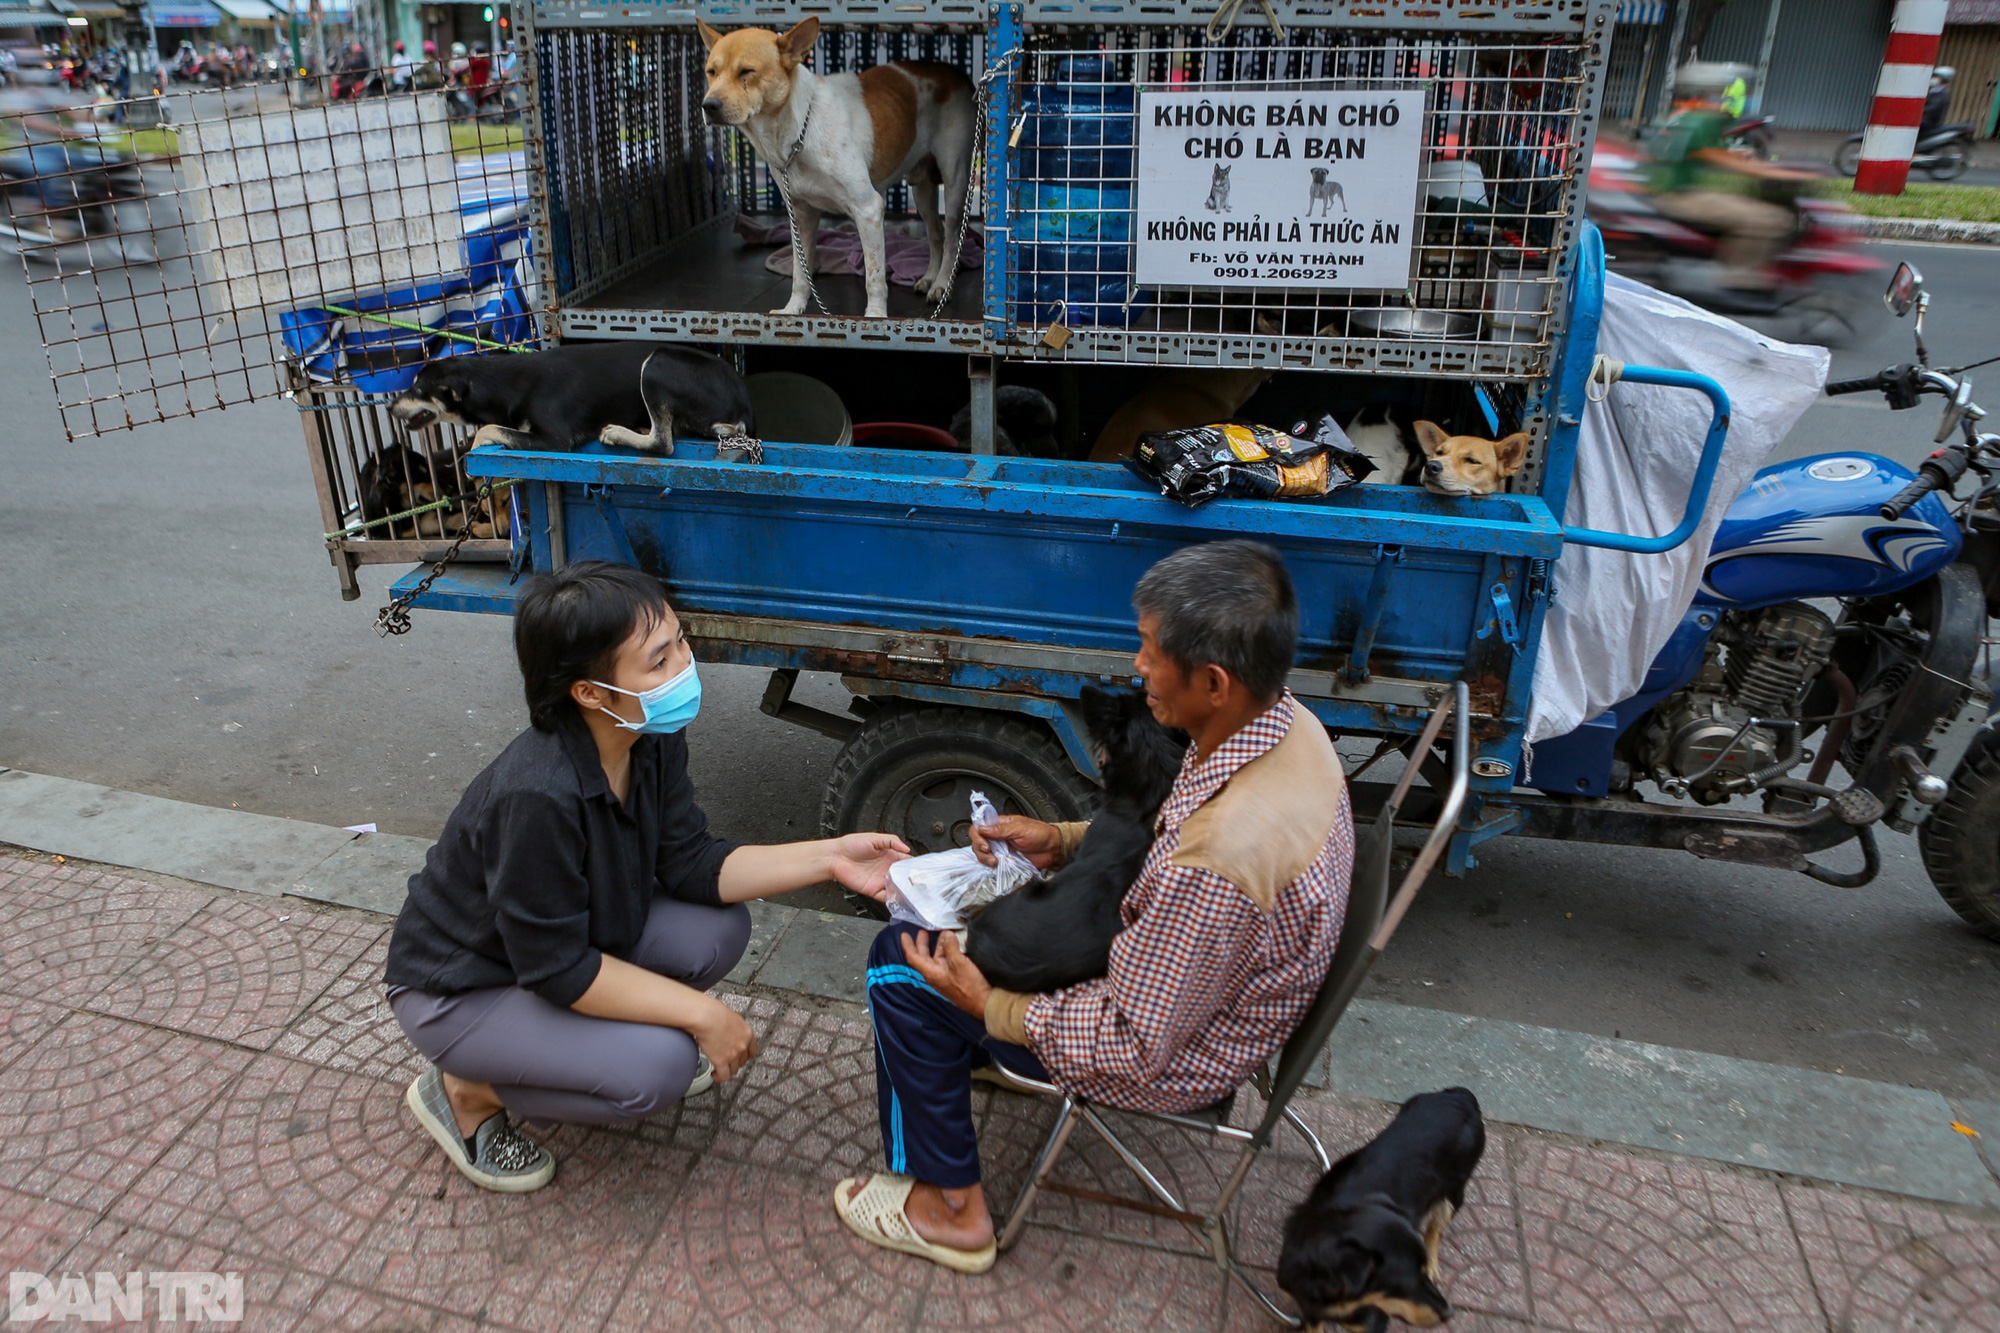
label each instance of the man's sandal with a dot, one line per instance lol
(877, 1215)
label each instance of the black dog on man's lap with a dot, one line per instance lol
(1364, 1244)
(1056, 932)
(629, 394)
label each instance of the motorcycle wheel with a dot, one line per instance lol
(1949, 162)
(1960, 842)
(1758, 144)
(1847, 157)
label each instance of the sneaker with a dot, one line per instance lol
(502, 1158)
(704, 1077)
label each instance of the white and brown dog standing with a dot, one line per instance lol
(836, 140)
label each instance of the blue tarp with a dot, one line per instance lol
(487, 301)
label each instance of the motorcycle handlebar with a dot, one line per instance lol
(1940, 472)
(1925, 483)
(1862, 385)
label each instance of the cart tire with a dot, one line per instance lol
(911, 771)
(1961, 840)
(1847, 157)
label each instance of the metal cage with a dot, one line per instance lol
(371, 474)
(1511, 92)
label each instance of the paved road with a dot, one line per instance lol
(169, 624)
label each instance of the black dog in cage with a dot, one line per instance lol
(627, 394)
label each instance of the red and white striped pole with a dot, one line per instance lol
(1891, 139)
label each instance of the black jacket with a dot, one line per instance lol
(541, 870)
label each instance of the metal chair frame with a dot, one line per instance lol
(1371, 917)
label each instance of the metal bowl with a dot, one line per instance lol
(1402, 322)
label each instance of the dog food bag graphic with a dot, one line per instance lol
(1240, 188)
(1207, 463)
(944, 890)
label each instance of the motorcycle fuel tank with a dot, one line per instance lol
(1813, 528)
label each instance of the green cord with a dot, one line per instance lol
(419, 328)
(366, 524)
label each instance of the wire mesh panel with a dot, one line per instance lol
(340, 225)
(1474, 268)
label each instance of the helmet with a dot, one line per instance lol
(1944, 73)
(399, 48)
(1708, 78)
(458, 48)
(430, 48)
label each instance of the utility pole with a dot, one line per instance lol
(1764, 56)
(1891, 138)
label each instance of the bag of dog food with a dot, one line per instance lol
(1204, 463)
(943, 890)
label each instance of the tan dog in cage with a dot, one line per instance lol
(835, 141)
(399, 478)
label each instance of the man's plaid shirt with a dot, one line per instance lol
(1203, 986)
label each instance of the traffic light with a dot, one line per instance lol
(487, 16)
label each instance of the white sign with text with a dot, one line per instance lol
(1277, 189)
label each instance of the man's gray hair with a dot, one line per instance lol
(1227, 604)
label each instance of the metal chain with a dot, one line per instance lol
(975, 165)
(395, 617)
(749, 446)
(798, 242)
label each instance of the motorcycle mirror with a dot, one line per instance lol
(1905, 284)
(1954, 412)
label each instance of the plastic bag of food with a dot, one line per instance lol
(942, 890)
(1204, 463)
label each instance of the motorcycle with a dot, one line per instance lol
(1812, 289)
(1753, 135)
(1887, 680)
(1943, 154)
(62, 192)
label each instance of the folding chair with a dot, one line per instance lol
(1365, 932)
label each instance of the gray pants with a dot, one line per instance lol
(548, 1063)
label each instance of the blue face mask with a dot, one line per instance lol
(665, 708)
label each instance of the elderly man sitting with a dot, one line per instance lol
(1228, 931)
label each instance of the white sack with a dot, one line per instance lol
(1636, 455)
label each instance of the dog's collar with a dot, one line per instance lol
(799, 142)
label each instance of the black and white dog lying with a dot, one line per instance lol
(627, 394)
(1056, 932)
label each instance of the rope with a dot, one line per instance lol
(422, 328)
(446, 503)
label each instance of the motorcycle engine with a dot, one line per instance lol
(1758, 665)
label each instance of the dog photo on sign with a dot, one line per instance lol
(1218, 189)
(1324, 191)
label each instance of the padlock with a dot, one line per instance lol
(1056, 335)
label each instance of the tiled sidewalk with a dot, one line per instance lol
(196, 1081)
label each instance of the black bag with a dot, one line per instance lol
(1203, 463)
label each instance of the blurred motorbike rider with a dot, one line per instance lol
(1937, 101)
(1700, 183)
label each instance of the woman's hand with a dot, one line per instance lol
(951, 974)
(1041, 843)
(724, 1038)
(861, 861)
